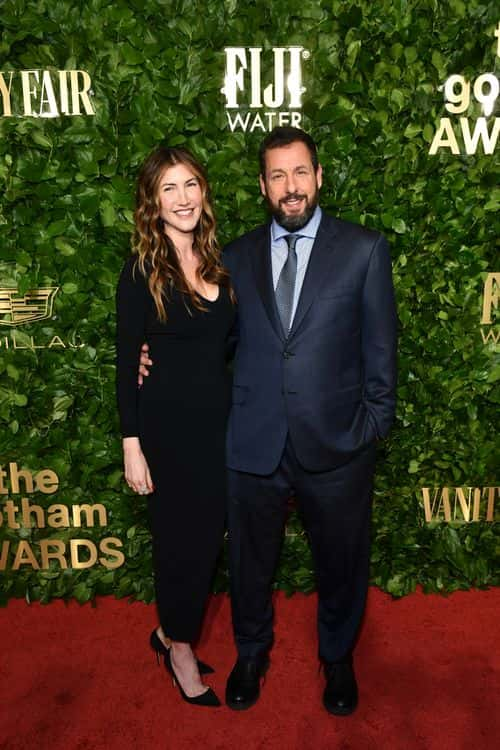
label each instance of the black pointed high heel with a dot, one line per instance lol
(208, 698)
(161, 650)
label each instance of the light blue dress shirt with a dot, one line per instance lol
(303, 247)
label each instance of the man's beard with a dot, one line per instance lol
(296, 221)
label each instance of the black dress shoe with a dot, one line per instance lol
(243, 685)
(208, 698)
(341, 692)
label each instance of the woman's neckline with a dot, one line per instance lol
(205, 299)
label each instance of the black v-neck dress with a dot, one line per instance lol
(179, 415)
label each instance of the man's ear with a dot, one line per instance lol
(319, 175)
(262, 186)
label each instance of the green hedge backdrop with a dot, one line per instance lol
(373, 103)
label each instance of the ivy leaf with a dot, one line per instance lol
(399, 226)
(70, 287)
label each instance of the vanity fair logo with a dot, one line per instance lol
(246, 91)
(45, 93)
(460, 504)
(19, 309)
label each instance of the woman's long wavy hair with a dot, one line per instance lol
(157, 257)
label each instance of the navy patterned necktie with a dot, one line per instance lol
(286, 284)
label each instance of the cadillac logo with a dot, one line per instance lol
(17, 309)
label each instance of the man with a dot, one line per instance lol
(314, 389)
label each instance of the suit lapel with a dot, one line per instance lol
(317, 269)
(261, 259)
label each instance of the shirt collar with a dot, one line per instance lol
(309, 230)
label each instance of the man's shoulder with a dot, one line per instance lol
(247, 240)
(348, 229)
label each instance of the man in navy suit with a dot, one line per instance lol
(314, 389)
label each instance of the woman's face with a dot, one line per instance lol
(180, 199)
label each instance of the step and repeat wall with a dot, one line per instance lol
(402, 98)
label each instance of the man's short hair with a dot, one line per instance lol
(284, 136)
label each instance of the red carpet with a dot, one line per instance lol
(83, 678)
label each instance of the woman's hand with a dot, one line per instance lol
(137, 473)
(144, 362)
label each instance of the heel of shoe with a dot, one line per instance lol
(157, 646)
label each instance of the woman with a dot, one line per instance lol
(174, 294)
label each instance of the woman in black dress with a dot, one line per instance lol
(174, 294)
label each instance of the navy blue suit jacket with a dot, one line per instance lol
(331, 383)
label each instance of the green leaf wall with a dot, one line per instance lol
(373, 103)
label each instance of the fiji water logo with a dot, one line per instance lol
(261, 94)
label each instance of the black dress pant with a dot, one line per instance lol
(336, 508)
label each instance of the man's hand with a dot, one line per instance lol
(144, 363)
